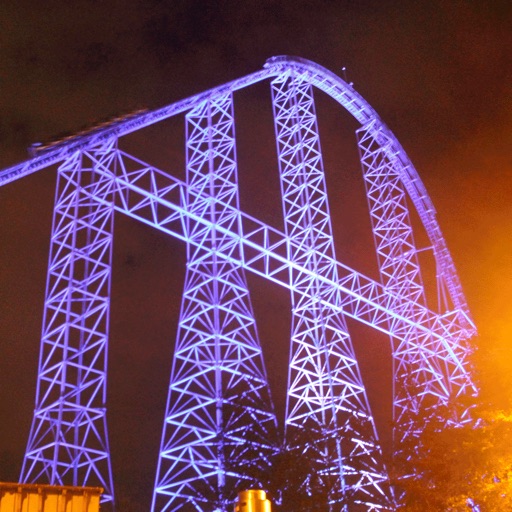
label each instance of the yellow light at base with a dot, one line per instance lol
(252, 501)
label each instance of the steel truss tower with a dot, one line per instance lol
(68, 440)
(420, 362)
(327, 402)
(220, 428)
(218, 397)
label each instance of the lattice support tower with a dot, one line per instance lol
(219, 425)
(421, 383)
(400, 274)
(328, 413)
(68, 439)
(219, 413)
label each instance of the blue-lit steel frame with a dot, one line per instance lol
(419, 368)
(219, 427)
(68, 440)
(327, 402)
(401, 275)
(434, 344)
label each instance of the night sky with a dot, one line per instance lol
(438, 72)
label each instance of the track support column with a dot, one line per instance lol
(328, 414)
(220, 425)
(421, 379)
(68, 442)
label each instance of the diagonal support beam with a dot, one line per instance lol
(154, 197)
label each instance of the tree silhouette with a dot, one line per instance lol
(462, 468)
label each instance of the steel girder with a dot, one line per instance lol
(434, 342)
(153, 197)
(328, 415)
(68, 440)
(220, 427)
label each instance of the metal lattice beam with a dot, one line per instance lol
(218, 385)
(152, 196)
(68, 439)
(219, 425)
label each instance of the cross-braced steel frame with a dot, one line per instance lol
(419, 372)
(220, 429)
(219, 422)
(68, 440)
(327, 402)
(400, 274)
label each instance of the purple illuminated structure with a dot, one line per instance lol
(220, 429)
